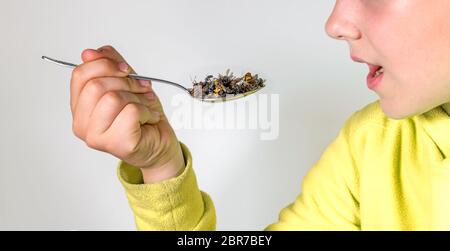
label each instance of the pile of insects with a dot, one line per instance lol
(227, 84)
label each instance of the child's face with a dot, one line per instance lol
(410, 39)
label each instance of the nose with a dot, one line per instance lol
(341, 23)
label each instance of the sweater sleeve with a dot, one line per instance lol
(174, 204)
(330, 192)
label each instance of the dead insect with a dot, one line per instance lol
(248, 77)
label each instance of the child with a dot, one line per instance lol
(388, 169)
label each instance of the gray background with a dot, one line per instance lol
(50, 180)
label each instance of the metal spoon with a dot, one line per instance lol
(228, 97)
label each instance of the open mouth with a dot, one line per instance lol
(376, 73)
(379, 72)
(376, 70)
(375, 76)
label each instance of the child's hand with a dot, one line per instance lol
(122, 116)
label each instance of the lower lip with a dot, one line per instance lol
(373, 82)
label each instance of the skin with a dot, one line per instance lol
(121, 116)
(410, 39)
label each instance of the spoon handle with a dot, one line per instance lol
(131, 75)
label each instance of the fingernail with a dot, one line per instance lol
(123, 67)
(150, 96)
(144, 83)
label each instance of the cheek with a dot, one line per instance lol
(405, 90)
(410, 37)
(415, 50)
(415, 83)
(421, 65)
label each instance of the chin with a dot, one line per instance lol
(395, 110)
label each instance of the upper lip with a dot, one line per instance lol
(357, 59)
(372, 67)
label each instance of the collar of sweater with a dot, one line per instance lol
(436, 123)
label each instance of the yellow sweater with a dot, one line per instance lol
(378, 174)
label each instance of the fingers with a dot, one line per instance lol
(111, 53)
(109, 109)
(103, 52)
(106, 51)
(96, 88)
(132, 119)
(130, 125)
(122, 137)
(114, 103)
(102, 67)
(104, 62)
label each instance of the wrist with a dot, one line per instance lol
(168, 170)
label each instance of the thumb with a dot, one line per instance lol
(110, 52)
(90, 55)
